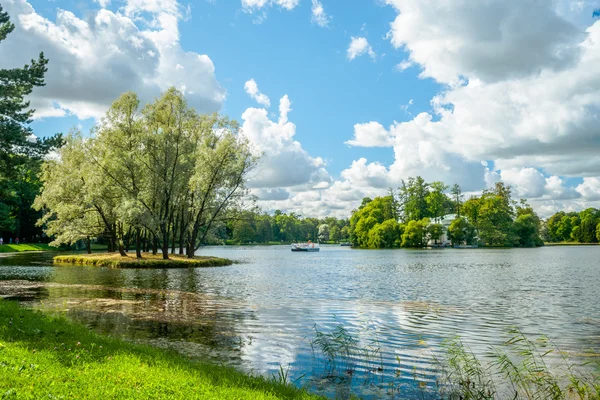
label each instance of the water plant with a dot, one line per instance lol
(522, 368)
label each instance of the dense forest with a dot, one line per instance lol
(581, 227)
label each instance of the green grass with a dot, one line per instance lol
(14, 248)
(114, 260)
(42, 356)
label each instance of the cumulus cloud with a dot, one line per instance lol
(525, 96)
(284, 163)
(94, 60)
(359, 46)
(491, 40)
(590, 189)
(251, 88)
(370, 134)
(319, 16)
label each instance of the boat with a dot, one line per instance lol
(310, 247)
(345, 244)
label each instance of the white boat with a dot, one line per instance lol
(305, 247)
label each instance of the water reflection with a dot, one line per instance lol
(262, 313)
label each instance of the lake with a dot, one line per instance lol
(262, 313)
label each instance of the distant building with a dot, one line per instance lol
(444, 240)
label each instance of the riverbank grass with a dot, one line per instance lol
(17, 248)
(148, 260)
(48, 357)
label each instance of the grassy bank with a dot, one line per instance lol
(16, 248)
(49, 357)
(114, 260)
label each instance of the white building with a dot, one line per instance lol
(444, 239)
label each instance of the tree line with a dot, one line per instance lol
(411, 216)
(574, 227)
(256, 227)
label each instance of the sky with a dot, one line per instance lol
(345, 99)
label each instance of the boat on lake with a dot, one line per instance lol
(310, 247)
(345, 244)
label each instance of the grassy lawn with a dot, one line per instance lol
(49, 357)
(114, 260)
(12, 248)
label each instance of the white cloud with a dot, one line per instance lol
(252, 5)
(589, 189)
(252, 89)
(359, 46)
(491, 40)
(94, 60)
(370, 134)
(373, 175)
(319, 16)
(404, 65)
(526, 97)
(284, 163)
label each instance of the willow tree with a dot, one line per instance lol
(161, 171)
(72, 212)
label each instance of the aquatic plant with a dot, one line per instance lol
(516, 370)
(342, 351)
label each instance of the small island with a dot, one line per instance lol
(148, 260)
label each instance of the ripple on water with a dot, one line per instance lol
(264, 312)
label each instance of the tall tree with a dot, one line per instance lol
(457, 198)
(20, 151)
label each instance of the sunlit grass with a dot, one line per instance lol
(13, 248)
(148, 260)
(49, 357)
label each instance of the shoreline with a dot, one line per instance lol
(67, 360)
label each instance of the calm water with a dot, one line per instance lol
(261, 313)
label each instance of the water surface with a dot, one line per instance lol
(262, 312)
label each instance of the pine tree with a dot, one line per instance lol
(19, 157)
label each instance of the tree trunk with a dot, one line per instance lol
(165, 244)
(175, 227)
(88, 245)
(138, 252)
(154, 245)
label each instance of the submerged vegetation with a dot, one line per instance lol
(48, 357)
(148, 260)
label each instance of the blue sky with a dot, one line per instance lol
(454, 92)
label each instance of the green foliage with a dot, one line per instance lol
(364, 223)
(20, 151)
(161, 174)
(52, 358)
(435, 232)
(384, 235)
(243, 232)
(415, 233)
(573, 227)
(460, 230)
